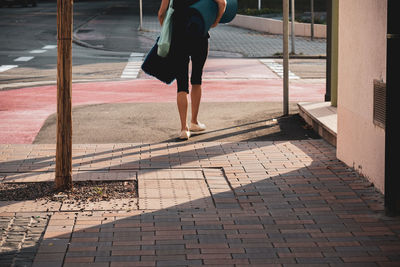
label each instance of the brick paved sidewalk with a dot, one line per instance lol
(226, 204)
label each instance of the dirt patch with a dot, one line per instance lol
(87, 191)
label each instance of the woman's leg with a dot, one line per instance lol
(182, 102)
(179, 48)
(199, 56)
(182, 80)
(195, 96)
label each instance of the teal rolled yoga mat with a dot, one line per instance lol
(204, 12)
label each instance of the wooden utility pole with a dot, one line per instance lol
(63, 178)
(285, 57)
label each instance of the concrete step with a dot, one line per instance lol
(322, 117)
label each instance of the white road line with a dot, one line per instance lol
(133, 66)
(134, 54)
(278, 68)
(24, 59)
(7, 67)
(37, 51)
(49, 46)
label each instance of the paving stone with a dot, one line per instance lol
(183, 203)
(90, 264)
(171, 174)
(180, 189)
(118, 258)
(29, 205)
(20, 238)
(105, 176)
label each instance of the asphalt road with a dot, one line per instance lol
(159, 122)
(29, 39)
(105, 35)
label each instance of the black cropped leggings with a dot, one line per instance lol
(188, 48)
(196, 50)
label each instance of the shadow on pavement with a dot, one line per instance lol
(277, 203)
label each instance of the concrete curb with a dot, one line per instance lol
(14, 86)
(274, 26)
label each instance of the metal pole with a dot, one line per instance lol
(312, 20)
(63, 178)
(259, 4)
(293, 16)
(328, 50)
(140, 15)
(285, 57)
(334, 52)
(392, 181)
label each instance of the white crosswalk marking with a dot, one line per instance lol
(7, 67)
(23, 59)
(49, 47)
(37, 51)
(278, 68)
(134, 54)
(132, 69)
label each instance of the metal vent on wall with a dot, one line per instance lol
(379, 103)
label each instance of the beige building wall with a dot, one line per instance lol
(362, 58)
